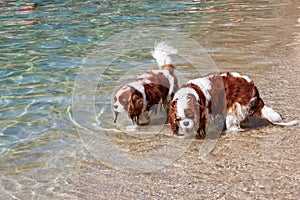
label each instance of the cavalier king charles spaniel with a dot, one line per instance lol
(154, 87)
(231, 95)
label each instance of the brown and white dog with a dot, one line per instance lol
(228, 94)
(154, 87)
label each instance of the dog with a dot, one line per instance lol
(228, 94)
(154, 87)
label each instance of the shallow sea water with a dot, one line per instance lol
(61, 60)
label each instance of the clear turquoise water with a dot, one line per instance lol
(45, 46)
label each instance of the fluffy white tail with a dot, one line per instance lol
(275, 118)
(163, 54)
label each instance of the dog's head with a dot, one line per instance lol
(131, 98)
(120, 100)
(187, 111)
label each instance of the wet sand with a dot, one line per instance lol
(260, 163)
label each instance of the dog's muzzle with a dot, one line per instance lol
(186, 123)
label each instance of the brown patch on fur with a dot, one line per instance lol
(157, 89)
(135, 105)
(173, 117)
(237, 89)
(169, 67)
(228, 90)
(218, 99)
(199, 111)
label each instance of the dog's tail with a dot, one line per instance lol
(164, 55)
(275, 118)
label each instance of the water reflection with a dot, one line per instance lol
(20, 13)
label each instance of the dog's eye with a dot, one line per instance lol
(123, 101)
(178, 119)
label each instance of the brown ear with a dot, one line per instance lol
(201, 125)
(173, 117)
(135, 104)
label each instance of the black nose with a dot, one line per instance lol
(186, 123)
(115, 106)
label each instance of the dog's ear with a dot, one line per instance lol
(135, 104)
(173, 117)
(201, 117)
(200, 109)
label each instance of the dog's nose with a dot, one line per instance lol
(115, 106)
(186, 123)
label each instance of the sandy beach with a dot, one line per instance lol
(260, 163)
